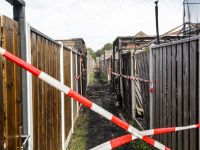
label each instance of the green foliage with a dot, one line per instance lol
(107, 46)
(91, 81)
(91, 53)
(98, 53)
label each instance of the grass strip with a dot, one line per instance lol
(79, 137)
(91, 81)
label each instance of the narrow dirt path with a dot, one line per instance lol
(100, 129)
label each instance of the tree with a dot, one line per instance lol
(91, 53)
(107, 46)
(98, 53)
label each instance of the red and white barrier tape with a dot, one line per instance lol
(63, 88)
(136, 79)
(127, 138)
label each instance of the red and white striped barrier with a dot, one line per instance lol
(127, 138)
(63, 88)
(136, 79)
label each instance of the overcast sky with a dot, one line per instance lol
(98, 21)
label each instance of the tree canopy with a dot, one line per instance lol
(107, 46)
(91, 53)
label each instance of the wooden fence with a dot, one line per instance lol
(175, 102)
(45, 109)
(175, 98)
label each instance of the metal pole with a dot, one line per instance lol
(157, 30)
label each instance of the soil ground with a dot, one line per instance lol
(101, 130)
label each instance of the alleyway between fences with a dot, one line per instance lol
(96, 128)
(99, 129)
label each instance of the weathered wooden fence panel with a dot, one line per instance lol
(67, 99)
(13, 86)
(176, 97)
(46, 99)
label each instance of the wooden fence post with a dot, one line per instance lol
(62, 95)
(133, 85)
(151, 60)
(72, 106)
(29, 87)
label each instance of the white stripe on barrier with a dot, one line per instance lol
(184, 128)
(2, 51)
(55, 83)
(157, 144)
(101, 111)
(104, 146)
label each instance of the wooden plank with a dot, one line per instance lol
(193, 93)
(154, 93)
(67, 81)
(43, 46)
(145, 87)
(52, 102)
(174, 91)
(142, 89)
(161, 92)
(164, 94)
(47, 142)
(39, 88)
(17, 80)
(179, 94)
(1, 99)
(145, 55)
(157, 90)
(9, 85)
(55, 99)
(34, 90)
(74, 84)
(51, 96)
(169, 97)
(186, 81)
